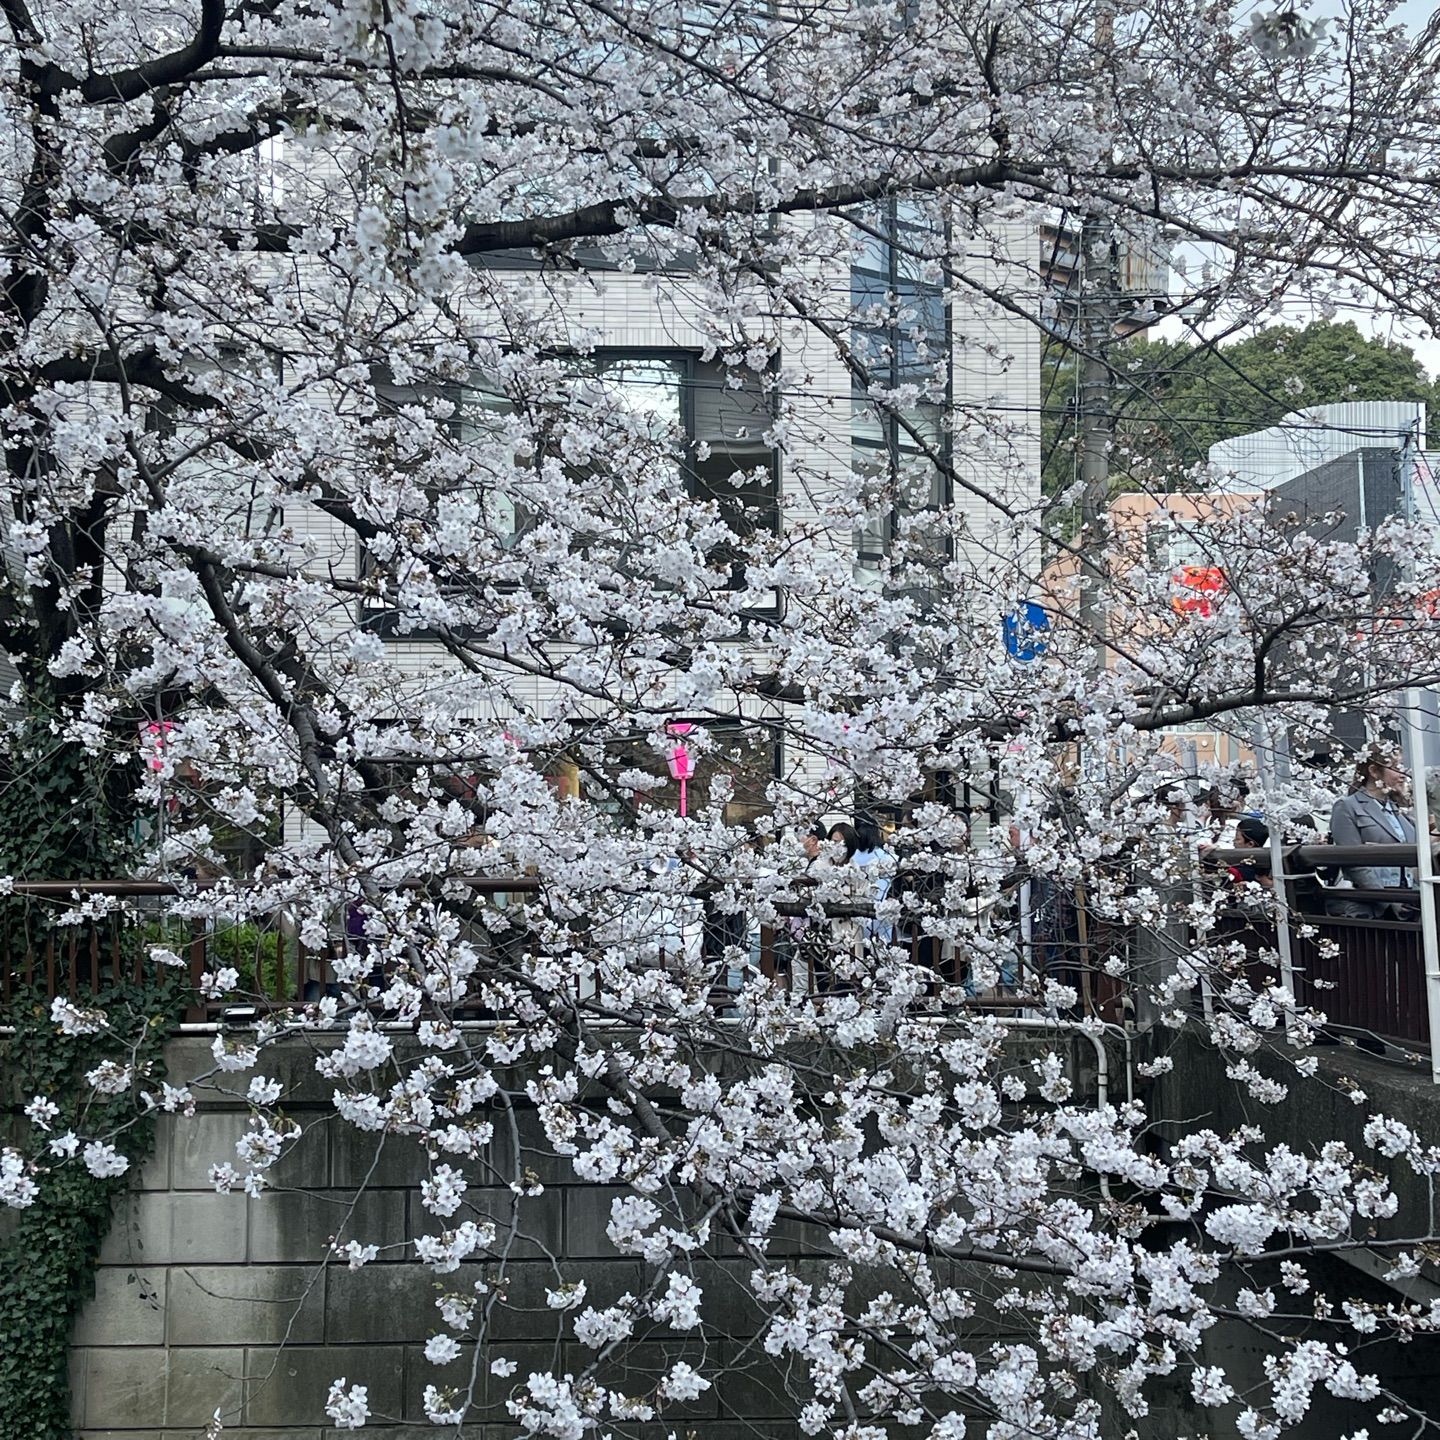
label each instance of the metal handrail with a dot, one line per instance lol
(83, 957)
(1319, 857)
(64, 889)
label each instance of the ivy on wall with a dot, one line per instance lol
(47, 1263)
(65, 814)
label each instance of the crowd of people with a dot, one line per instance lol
(850, 867)
(828, 934)
(851, 862)
(1376, 810)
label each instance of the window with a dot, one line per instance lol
(733, 464)
(722, 416)
(174, 432)
(1173, 543)
(719, 418)
(901, 337)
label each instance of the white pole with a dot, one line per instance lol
(1207, 994)
(1424, 851)
(1424, 876)
(1278, 888)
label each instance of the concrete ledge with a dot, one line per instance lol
(1314, 1111)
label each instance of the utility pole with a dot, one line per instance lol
(1095, 423)
(1095, 324)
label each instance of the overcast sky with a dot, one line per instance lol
(1414, 14)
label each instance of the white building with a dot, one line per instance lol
(1307, 439)
(648, 334)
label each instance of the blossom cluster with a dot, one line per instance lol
(527, 666)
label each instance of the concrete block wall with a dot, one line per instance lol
(209, 1303)
(196, 1291)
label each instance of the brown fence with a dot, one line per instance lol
(1366, 973)
(1363, 974)
(797, 955)
(1376, 981)
(49, 945)
(41, 950)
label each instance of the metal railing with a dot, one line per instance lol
(1367, 973)
(52, 945)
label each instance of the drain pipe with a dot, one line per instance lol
(1078, 1027)
(1102, 1061)
(1102, 1056)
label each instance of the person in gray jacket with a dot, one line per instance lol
(1373, 813)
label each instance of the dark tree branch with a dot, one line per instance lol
(614, 217)
(120, 150)
(164, 70)
(22, 27)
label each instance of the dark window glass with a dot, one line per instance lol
(901, 337)
(717, 420)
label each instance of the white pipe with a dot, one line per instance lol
(1102, 1059)
(1079, 1027)
(1082, 1027)
(1425, 878)
(1088, 1030)
(1102, 1056)
(1102, 1063)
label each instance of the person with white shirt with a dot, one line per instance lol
(872, 852)
(836, 869)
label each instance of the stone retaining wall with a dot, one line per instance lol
(207, 1302)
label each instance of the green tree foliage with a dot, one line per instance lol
(1174, 398)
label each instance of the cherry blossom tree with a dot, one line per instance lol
(320, 462)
